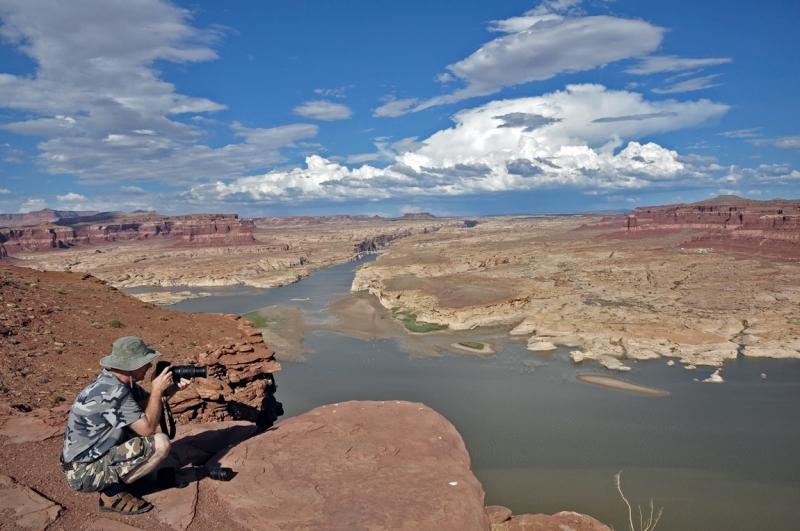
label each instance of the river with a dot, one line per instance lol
(714, 456)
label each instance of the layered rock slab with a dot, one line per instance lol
(24, 506)
(355, 466)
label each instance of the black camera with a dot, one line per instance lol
(182, 371)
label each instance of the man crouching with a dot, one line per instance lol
(111, 438)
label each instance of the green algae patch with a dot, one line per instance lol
(258, 320)
(409, 320)
(474, 345)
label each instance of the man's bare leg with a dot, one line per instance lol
(162, 445)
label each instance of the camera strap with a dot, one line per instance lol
(166, 416)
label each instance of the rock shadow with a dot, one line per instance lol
(190, 453)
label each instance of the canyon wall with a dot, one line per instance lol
(190, 230)
(730, 223)
(146, 249)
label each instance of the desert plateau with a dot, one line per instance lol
(700, 283)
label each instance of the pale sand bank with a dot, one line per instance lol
(168, 298)
(621, 385)
(487, 349)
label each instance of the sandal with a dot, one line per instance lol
(124, 503)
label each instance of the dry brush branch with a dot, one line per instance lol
(644, 525)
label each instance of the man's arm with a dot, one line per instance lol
(148, 424)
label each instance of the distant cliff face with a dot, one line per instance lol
(729, 223)
(191, 230)
(730, 214)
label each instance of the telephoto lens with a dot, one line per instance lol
(221, 473)
(189, 372)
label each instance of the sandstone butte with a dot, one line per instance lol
(355, 465)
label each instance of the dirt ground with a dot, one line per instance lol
(54, 328)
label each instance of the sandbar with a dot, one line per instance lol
(487, 350)
(621, 385)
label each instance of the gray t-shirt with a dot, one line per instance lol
(99, 417)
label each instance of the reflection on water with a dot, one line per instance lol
(716, 457)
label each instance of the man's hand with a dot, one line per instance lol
(162, 382)
(175, 387)
(184, 383)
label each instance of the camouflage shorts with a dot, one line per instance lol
(116, 464)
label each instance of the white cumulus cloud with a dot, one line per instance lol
(71, 196)
(563, 139)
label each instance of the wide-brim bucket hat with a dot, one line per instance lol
(128, 354)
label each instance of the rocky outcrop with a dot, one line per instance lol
(355, 465)
(40, 238)
(240, 383)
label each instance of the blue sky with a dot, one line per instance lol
(385, 107)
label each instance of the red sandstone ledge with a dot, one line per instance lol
(355, 465)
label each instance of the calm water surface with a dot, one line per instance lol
(716, 457)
